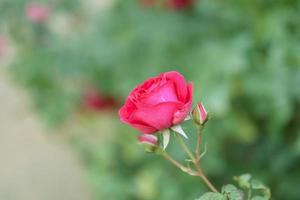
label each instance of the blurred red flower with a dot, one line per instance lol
(179, 4)
(37, 13)
(171, 4)
(95, 101)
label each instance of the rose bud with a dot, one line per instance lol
(158, 103)
(200, 116)
(149, 142)
(179, 4)
(37, 13)
(148, 139)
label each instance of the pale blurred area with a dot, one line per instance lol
(34, 165)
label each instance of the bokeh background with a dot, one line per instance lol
(77, 60)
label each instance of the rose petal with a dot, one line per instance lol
(125, 114)
(165, 93)
(126, 110)
(180, 84)
(144, 128)
(159, 116)
(189, 96)
(181, 114)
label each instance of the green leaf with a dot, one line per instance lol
(212, 196)
(232, 192)
(259, 198)
(243, 180)
(258, 185)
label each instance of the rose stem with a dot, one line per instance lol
(197, 161)
(174, 162)
(189, 171)
(199, 140)
(185, 148)
(207, 182)
(249, 194)
(179, 165)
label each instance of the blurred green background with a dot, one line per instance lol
(79, 64)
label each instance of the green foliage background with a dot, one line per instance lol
(244, 60)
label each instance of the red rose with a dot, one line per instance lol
(158, 103)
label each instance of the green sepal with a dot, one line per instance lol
(150, 148)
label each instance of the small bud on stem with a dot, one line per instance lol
(149, 142)
(199, 114)
(148, 139)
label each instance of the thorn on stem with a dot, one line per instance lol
(205, 150)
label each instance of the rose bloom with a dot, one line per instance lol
(158, 103)
(37, 13)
